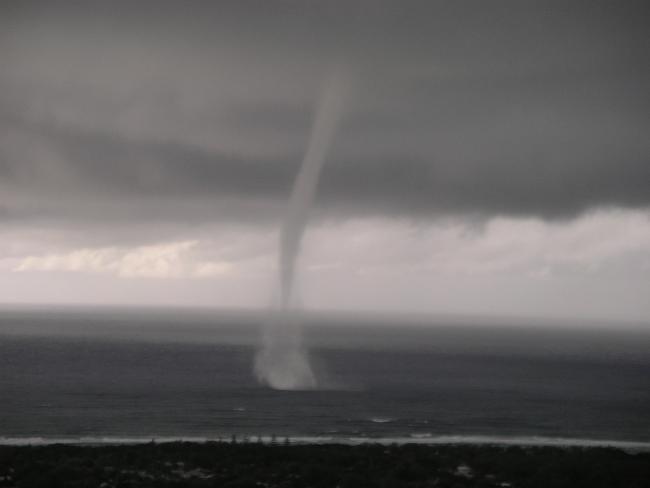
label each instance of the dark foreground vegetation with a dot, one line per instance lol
(256, 465)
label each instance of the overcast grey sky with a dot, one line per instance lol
(493, 157)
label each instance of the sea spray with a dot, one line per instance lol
(282, 362)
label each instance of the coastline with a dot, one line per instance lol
(425, 440)
(283, 464)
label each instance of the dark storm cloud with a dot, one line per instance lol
(141, 111)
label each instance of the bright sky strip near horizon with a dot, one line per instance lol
(492, 159)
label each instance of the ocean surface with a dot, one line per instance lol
(103, 375)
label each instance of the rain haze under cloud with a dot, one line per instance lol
(493, 157)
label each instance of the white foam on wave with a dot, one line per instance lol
(503, 441)
(421, 435)
(44, 441)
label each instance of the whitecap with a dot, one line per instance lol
(381, 420)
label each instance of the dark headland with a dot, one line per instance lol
(256, 465)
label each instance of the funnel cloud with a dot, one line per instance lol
(282, 362)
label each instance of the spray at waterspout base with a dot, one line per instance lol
(283, 363)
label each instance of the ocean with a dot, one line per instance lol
(110, 375)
